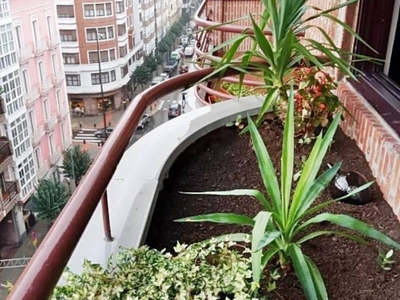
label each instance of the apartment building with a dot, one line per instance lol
(175, 10)
(35, 126)
(90, 30)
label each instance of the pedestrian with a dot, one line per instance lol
(83, 112)
(78, 111)
(124, 104)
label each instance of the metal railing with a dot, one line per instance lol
(5, 151)
(45, 268)
(14, 263)
(8, 196)
(51, 122)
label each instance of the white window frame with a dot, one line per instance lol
(95, 14)
(107, 38)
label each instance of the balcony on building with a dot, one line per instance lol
(54, 40)
(58, 77)
(55, 156)
(25, 53)
(51, 122)
(5, 150)
(31, 95)
(8, 198)
(38, 134)
(40, 46)
(84, 206)
(2, 110)
(46, 85)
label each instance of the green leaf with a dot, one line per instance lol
(233, 237)
(287, 157)
(263, 43)
(268, 238)
(353, 224)
(261, 221)
(266, 167)
(331, 232)
(225, 218)
(272, 251)
(317, 278)
(302, 271)
(239, 192)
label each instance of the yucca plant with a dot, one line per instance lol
(274, 59)
(279, 231)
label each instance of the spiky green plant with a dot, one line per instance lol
(76, 162)
(49, 199)
(279, 231)
(276, 57)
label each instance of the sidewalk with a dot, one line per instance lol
(25, 250)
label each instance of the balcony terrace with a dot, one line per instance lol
(5, 149)
(9, 198)
(108, 179)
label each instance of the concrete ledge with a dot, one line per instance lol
(134, 188)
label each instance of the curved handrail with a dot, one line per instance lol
(45, 268)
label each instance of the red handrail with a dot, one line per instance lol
(45, 268)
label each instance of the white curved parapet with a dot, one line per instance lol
(134, 188)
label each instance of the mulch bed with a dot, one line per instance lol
(223, 160)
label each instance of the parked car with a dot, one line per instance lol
(176, 55)
(193, 42)
(157, 80)
(101, 133)
(170, 66)
(165, 75)
(183, 69)
(189, 31)
(184, 40)
(174, 110)
(189, 51)
(180, 48)
(143, 121)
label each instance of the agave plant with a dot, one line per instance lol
(279, 231)
(274, 59)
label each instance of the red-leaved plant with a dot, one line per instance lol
(314, 99)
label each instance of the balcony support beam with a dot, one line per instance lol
(106, 218)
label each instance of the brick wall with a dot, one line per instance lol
(379, 143)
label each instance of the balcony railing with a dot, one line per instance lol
(55, 157)
(31, 96)
(67, 143)
(43, 272)
(37, 134)
(5, 150)
(8, 197)
(54, 41)
(42, 171)
(58, 77)
(51, 122)
(63, 111)
(46, 86)
(40, 47)
(25, 53)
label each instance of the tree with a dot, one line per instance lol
(176, 29)
(49, 199)
(150, 62)
(76, 163)
(142, 75)
(162, 46)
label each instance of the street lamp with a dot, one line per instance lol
(101, 85)
(104, 199)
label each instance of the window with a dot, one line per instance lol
(41, 71)
(12, 92)
(32, 121)
(105, 78)
(35, 28)
(105, 33)
(113, 75)
(58, 99)
(68, 35)
(52, 144)
(140, 17)
(54, 63)
(380, 85)
(7, 48)
(63, 134)
(26, 172)
(49, 26)
(20, 135)
(105, 56)
(124, 71)
(38, 158)
(120, 7)
(25, 81)
(46, 109)
(121, 29)
(18, 34)
(97, 10)
(73, 80)
(123, 51)
(4, 9)
(70, 58)
(65, 11)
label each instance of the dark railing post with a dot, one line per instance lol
(106, 217)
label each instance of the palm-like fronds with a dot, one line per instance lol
(76, 163)
(49, 199)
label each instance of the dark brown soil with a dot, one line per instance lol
(223, 160)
